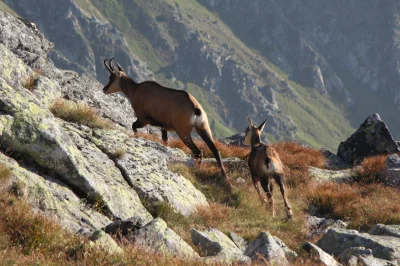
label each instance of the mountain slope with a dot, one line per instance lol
(184, 45)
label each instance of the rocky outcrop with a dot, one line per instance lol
(217, 247)
(372, 138)
(290, 255)
(319, 255)
(83, 177)
(238, 240)
(335, 241)
(333, 161)
(234, 140)
(265, 246)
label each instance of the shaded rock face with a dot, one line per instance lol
(100, 239)
(319, 226)
(234, 140)
(361, 256)
(265, 245)
(333, 161)
(335, 241)
(385, 230)
(372, 138)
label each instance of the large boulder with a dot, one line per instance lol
(265, 246)
(319, 255)
(239, 241)
(291, 255)
(335, 241)
(157, 237)
(333, 161)
(218, 247)
(372, 138)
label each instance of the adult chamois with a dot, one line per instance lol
(170, 109)
(265, 165)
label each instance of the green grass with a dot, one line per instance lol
(5, 8)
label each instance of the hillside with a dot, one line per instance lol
(191, 45)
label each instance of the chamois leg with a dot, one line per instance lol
(188, 141)
(164, 136)
(269, 189)
(257, 187)
(137, 124)
(211, 145)
(279, 179)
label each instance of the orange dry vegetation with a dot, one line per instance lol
(362, 204)
(296, 159)
(370, 168)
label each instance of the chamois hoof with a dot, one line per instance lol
(289, 214)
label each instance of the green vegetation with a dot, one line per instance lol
(5, 8)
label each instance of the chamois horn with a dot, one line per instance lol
(105, 64)
(111, 64)
(120, 67)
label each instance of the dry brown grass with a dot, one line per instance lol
(296, 159)
(226, 151)
(370, 168)
(361, 204)
(30, 82)
(28, 238)
(79, 113)
(5, 173)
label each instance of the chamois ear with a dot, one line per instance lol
(120, 67)
(250, 122)
(262, 125)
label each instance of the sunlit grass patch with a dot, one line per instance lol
(362, 205)
(79, 113)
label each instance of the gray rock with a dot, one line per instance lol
(290, 255)
(234, 140)
(325, 175)
(360, 256)
(385, 230)
(217, 245)
(265, 245)
(319, 226)
(100, 239)
(55, 199)
(391, 174)
(144, 167)
(334, 162)
(124, 227)
(335, 241)
(238, 240)
(319, 255)
(372, 138)
(157, 237)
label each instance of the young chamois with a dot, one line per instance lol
(170, 109)
(265, 165)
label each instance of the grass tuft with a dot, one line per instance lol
(370, 169)
(30, 82)
(79, 113)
